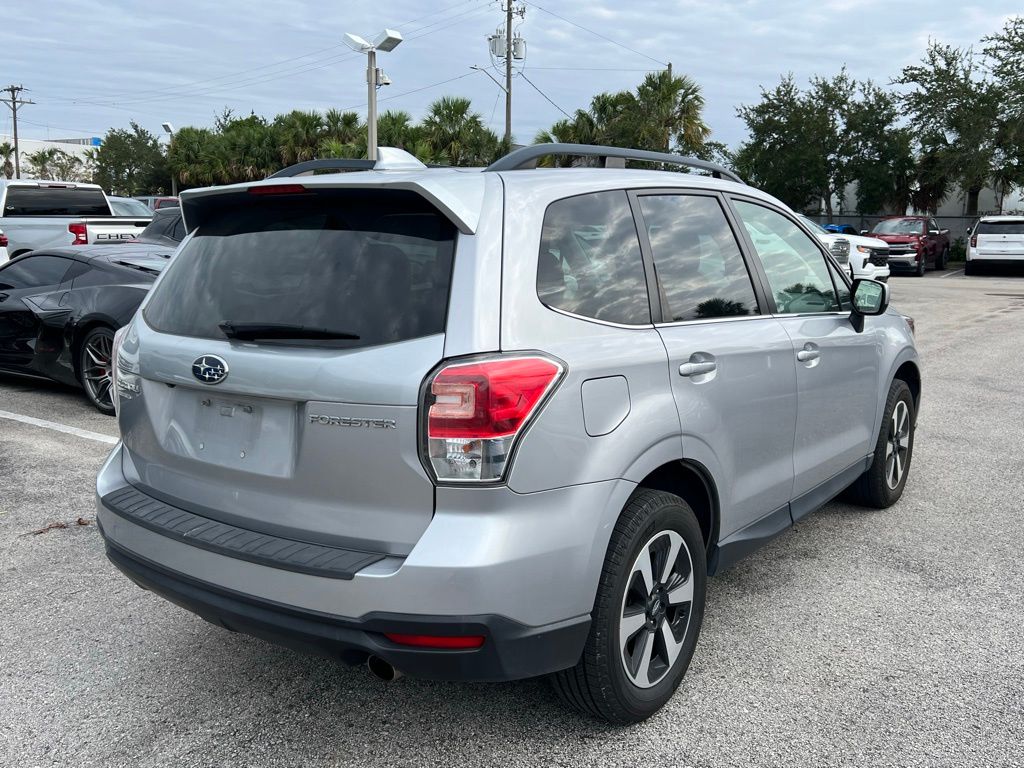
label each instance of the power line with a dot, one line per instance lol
(415, 90)
(538, 90)
(176, 93)
(596, 34)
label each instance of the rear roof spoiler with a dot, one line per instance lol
(527, 157)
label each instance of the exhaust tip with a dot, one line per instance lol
(382, 669)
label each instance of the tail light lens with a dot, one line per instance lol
(477, 410)
(974, 241)
(80, 231)
(123, 372)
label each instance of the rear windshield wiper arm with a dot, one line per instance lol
(253, 331)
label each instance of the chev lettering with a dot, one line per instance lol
(352, 421)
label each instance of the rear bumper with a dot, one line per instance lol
(510, 650)
(521, 568)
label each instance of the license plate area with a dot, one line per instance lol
(246, 434)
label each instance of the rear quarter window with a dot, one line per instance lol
(590, 262)
(371, 263)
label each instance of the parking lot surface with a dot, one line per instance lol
(856, 638)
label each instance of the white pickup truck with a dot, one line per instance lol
(868, 256)
(48, 214)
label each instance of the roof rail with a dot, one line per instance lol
(388, 159)
(526, 157)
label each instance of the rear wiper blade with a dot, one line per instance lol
(253, 331)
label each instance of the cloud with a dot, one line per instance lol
(95, 64)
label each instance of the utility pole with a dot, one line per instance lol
(371, 104)
(505, 45)
(14, 102)
(508, 75)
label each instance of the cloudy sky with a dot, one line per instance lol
(94, 64)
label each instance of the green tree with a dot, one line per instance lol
(880, 154)
(299, 134)
(7, 159)
(780, 156)
(953, 106)
(131, 162)
(457, 135)
(1005, 52)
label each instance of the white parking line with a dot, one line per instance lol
(99, 438)
(954, 272)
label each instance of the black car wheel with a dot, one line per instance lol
(920, 266)
(882, 485)
(96, 366)
(943, 259)
(647, 615)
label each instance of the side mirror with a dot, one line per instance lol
(869, 298)
(943, 231)
(933, 232)
(864, 232)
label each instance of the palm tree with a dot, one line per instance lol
(300, 134)
(194, 157)
(671, 107)
(6, 158)
(344, 127)
(456, 134)
(396, 129)
(40, 164)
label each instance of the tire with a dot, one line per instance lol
(95, 366)
(875, 487)
(651, 526)
(921, 267)
(970, 268)
(942, 260)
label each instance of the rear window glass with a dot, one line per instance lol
(590, 262)
(1000, 228)
(46, 201)
(367, 263)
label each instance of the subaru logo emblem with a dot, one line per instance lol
(210, 369)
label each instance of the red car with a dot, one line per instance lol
(915, 243)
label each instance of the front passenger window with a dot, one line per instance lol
(794, 264)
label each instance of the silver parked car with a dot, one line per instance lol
(494, 424)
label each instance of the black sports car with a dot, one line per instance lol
(59, 309)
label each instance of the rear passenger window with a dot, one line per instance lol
(700, 268)
(590, 262)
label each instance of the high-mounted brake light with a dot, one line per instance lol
(451, 642)
(278, 189)
(81, 232)
(478, 410)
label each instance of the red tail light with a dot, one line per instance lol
(278, 189)
(478, 410)
(437, 641)
(80, 231)
(974, 241)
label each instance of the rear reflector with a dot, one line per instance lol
(437, 641)
(278, 189)
(80, 231)
(3, 240)
(477, 411)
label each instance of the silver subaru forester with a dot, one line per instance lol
(491, 424)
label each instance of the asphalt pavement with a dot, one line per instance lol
(859, 637)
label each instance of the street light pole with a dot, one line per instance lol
(386, 41)
(371, 102)
(169, 129)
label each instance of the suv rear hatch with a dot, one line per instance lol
(326, 307)
(1000, 239)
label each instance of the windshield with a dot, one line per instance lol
(899, 227)
(123, 206)
(375, 265)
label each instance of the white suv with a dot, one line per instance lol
(868, 256)
(996, 240)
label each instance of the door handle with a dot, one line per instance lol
(807, 355)
(697, 369)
